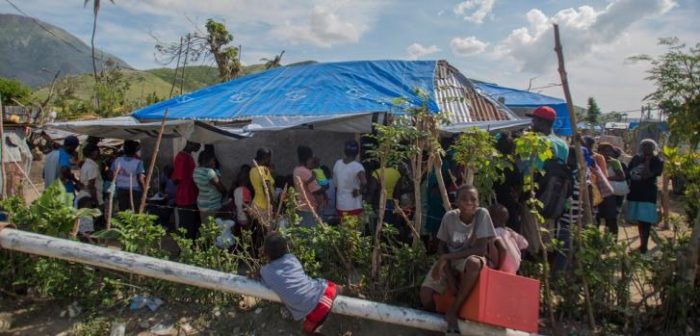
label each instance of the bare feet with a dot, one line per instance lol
(452, 324)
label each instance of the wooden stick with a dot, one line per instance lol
(665, 198)
(283, 197)
(587, 214)
(345, 262)
(152, 164)
(583, 190)
(108, 215)
(131, 192)
(2, 150)
(405, 217)
(306, 199)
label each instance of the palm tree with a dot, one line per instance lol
(274, 62)
(96, 10)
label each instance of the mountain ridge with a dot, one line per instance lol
(32, 51)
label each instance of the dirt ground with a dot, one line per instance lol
(50, 318)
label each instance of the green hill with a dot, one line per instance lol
(199, 76)
(32, 51)
(144, 83)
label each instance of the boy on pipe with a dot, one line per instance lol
(306, 298)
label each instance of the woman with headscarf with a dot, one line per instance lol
(645, 167)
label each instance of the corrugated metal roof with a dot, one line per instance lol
(460, 102)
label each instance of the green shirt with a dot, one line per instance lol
(613, 166)
(209, 198)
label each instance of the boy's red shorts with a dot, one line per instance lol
(317, 316)
(348, 213)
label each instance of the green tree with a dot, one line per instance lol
(112, 89)
(95, 11)
(475, 150)
(216, 42)
(676, 75)
(592, 111)
(13, 90)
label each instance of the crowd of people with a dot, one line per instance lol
(465, 239)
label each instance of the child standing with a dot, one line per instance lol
(508, 243)
(306, 298)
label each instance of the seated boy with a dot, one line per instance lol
(508, 243)
(463, 236)
(305, 297)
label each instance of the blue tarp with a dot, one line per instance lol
(515, 98)
(318, 89)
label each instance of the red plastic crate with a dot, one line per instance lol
(500, 299)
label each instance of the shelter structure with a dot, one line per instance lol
(321, 105)
(522, 101)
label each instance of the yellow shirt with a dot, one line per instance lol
(260, 200)
(391, 178)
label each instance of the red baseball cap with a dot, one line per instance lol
(543, 112)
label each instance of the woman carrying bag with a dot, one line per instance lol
(608, 210)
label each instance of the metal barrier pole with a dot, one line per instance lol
(69, 250)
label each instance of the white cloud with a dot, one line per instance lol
(321, 23)
(417, 50)
(324, 29)
(474, 10)
(467, 46)
(582, 30)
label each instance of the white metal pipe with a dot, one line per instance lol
(33, 243)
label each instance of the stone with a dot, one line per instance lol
(5, 321)
(118, 329)
(187, 328)
(144, 324)
(164, 330)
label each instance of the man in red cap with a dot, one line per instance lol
(543, 119)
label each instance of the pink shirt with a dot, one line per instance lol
(307, 186)
(514, 244)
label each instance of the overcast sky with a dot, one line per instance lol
(508, 42)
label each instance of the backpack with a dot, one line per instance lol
(555, 188)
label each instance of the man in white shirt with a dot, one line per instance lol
(350, 179)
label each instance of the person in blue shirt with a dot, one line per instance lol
(65, 155)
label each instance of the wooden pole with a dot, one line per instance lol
(152, 164)
(587, 214)
(167, 270)
(2, 150)
(583, 189)
(110, 199)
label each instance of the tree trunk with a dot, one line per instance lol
(691, 257)
(469, 179)
(417, 214)
(441, 184)
(94, 61)
(665, 181)
(376, 252)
